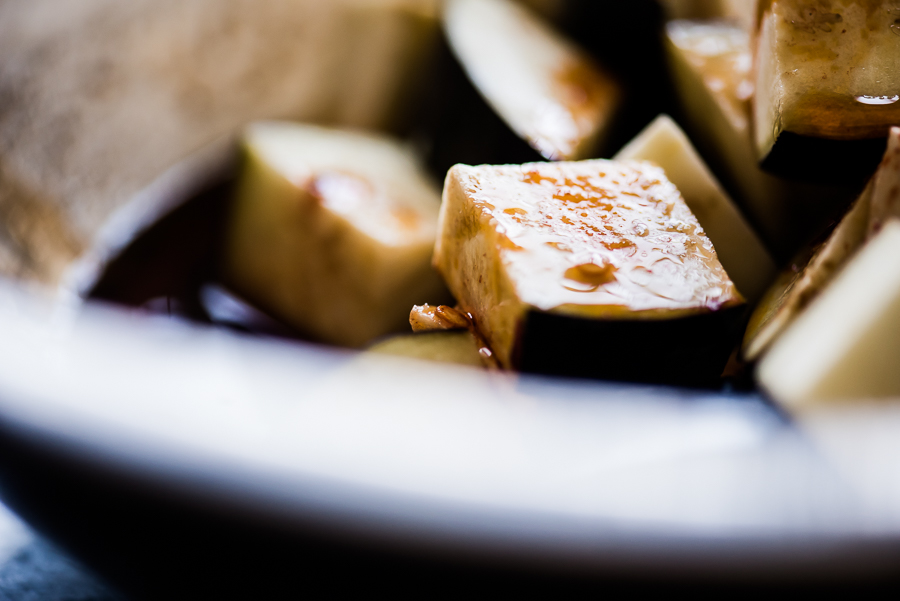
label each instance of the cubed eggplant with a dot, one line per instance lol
(827, 86)
(594, 269)
(846, 345)
(547, 90)
(332, 231)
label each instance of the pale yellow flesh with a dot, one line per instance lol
(595, 240)
(740, 250)
(711, 62)
(846, 345)
(458, 347)
(827, 70)
(467, 256)
(539, 83)
(341, 269)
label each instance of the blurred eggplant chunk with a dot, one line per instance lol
(817, 266)
(589, 269)
(827, 86)
(451, 346)
(332, 231)
(846, 345)
(548, 91)
(740, 251)
(711, 64)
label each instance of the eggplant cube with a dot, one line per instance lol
(332, 231)
(594, 268)
(546, 89)
(827, 87)
(846, 345)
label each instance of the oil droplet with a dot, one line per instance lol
(619, 244)
(590, 276)
(515, 211)
(878, 100)
(536, 177)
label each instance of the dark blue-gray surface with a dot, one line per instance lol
(31, 569)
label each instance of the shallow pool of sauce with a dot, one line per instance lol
(599, 237)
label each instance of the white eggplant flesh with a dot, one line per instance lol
(333, 231)
(547, 90)
(846, 345)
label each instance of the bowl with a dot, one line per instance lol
(180, 455)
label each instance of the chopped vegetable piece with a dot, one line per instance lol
(575, 267)
(332, 231)
(846, 345)
(827, 86)
(547, 90)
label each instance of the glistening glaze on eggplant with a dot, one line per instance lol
(594, 241)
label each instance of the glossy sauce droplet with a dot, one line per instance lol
(878, 100)
(588, 277)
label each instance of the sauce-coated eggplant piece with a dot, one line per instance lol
(593, 268)
(827, 86)
(332, 231)
(548, 91)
